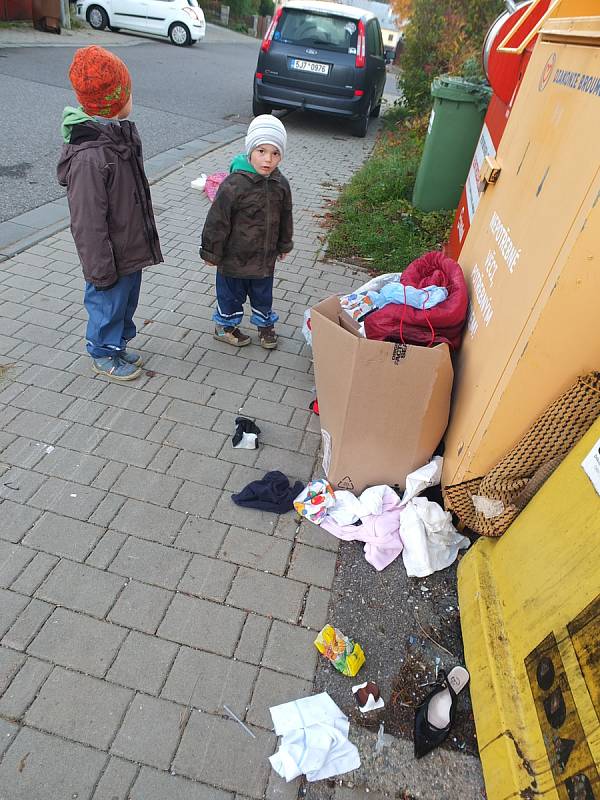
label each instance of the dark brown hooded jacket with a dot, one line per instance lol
(249, 225)
(112, 220)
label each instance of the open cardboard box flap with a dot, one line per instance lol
(383, 406)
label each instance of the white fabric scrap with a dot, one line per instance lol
(431, 542)
(314, 740)
(376, 284)
(348, 509)
(488, 506)
(247, 442)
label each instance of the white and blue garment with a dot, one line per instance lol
(359, 304)
(398, 293)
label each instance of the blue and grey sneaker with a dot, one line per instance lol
(131, 357)
(115, 368)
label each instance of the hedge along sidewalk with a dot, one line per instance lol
(137, 598)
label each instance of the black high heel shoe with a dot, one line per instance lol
(435, 716)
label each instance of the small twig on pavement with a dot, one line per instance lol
(431, 639)
(238, 720)
(21, 764)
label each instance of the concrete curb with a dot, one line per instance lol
(21, 36)
(32, 227)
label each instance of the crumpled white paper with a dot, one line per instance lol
(315, 739)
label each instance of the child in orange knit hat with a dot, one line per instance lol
(112, 220)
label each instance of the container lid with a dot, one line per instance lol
(451, 87)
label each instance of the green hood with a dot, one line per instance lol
(72, 116)
(241, 164)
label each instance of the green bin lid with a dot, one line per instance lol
(460, 90)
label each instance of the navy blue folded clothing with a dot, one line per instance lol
(272, 493)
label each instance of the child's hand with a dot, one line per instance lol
(282, 256)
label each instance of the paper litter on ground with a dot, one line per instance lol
(315, 739)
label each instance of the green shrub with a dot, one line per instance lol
(266, 8)
(443, 36)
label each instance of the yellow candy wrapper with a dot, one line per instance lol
(345, 655)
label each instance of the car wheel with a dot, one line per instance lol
(179, 34)
(360, 125)
(259, 108)
(97, 17)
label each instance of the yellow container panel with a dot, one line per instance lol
(530, 615)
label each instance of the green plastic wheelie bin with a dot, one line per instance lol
(459, 108)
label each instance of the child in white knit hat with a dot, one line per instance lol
(247, 228)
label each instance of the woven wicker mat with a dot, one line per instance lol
(489, 504)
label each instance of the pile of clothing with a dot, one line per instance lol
(413, 526)
(424, 305)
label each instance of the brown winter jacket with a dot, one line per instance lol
(249, 225)
(112, 220)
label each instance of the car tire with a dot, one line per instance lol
(180, 35)
(360, 126)
(376, 111)
(97, 17)
(259, 108)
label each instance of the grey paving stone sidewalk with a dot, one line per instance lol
(135, 598)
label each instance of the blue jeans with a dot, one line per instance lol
(110, 323)
(232, 294)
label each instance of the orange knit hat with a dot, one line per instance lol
(101, 81)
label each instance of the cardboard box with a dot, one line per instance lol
(531, 257)
(383, 407)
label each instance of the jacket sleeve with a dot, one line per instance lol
(217, 227)
(88, 203)
(286, 224)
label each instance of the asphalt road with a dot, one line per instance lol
(179, 95)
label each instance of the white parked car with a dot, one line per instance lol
(182, 21)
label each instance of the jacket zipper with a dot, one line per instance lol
(145, 211)
(268, 226)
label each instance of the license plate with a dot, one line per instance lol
(309, 66)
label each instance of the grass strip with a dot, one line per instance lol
(373, 222)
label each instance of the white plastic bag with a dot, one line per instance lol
(307, 328)
(199, 183)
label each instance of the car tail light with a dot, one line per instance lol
(259, 76)
(192, 13)
(360, 45)
(358, 93)
(266, 42)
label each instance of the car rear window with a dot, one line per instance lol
(308, 28)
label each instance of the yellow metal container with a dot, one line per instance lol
(532, 253)
(530, 616)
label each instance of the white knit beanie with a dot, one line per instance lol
(266, 129)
